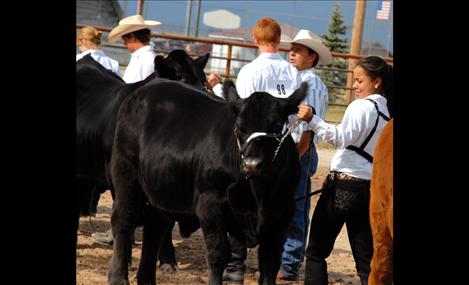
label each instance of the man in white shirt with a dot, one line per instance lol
(306, 52)
(269, 72)
(135, 32)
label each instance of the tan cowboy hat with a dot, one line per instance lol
(312, 41)
(128, 25)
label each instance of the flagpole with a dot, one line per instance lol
(389, 38)
(389, 31)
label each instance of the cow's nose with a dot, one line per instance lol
(252, 166)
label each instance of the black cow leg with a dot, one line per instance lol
(125, 214)
(217, 255)
(167, 254)
(154, 230)
(216, 239)
(85, 194)
(118, 270)
(270, 252)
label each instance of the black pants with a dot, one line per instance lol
(238, 255)
(342, 201)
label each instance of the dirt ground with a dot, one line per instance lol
(93, 259)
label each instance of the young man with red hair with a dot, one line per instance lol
(269, 72)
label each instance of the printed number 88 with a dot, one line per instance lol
(281, 89)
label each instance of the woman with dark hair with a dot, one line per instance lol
(346, 191)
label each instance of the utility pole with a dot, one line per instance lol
(188, 17)
(197, 4)
(389, 38)
(140, 7)
(356, 44)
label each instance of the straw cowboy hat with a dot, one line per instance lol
(311, 40)
(130, 24)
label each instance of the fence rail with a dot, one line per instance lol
(229, 59)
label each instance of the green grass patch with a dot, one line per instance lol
(335, 113)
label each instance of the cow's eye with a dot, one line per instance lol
(239, 133)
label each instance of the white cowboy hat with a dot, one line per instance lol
(312, 41)
(128, 25)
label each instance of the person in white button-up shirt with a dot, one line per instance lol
(141, 63)
(346, 191)
(89, 42)
(269, 72)
(135, 32)
(307, 50)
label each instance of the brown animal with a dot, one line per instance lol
(381, 209)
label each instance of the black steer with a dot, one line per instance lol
(99, 93)
(192, 156)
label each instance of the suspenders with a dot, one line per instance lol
(361, 150)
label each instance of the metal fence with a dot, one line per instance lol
(228, 69)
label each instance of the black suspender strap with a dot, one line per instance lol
(361, 150)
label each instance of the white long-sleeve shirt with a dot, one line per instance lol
(141, 64)
(102, 58)
(359, 119)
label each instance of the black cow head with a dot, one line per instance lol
(259, 125)
(178, 65)
(260, 196)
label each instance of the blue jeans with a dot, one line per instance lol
(294, 244)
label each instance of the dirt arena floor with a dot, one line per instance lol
(93, 259)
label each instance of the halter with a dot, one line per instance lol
(242, 147)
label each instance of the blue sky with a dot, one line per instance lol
(311, 15)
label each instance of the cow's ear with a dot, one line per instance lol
(162, 68)
(201, 61)
(229, 91)
(296, 98)
(231, 95)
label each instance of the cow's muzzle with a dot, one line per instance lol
(252, 166)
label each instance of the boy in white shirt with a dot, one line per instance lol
(307, 50)
(269, 72)
(135, 31)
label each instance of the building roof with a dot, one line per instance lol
(375, 48)
(245, 34)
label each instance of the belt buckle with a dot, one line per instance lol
(342, 176)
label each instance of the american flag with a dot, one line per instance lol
(384, 7)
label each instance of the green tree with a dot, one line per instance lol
(336, 42)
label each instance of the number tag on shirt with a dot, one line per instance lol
(280, 88)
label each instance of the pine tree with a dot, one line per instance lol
(336, 42)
